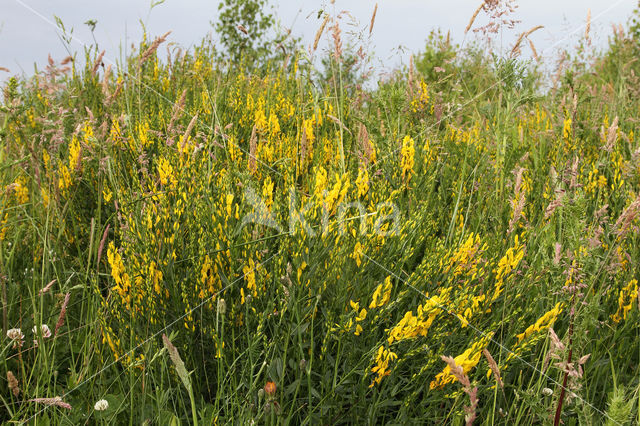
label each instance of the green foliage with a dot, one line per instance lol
(620, 407)
(245, 29)
(517, 212)
(634, 24)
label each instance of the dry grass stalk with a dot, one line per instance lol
(493, 365)
(105, 80)
(304, 145)
(47, 287)
(516, 47)
(628, 215)
(553, 205)
(498, 11)
(524, 35)
(555, 340)
(66, 60)
(533, 30)
(373, 18)
(612, 134)
(177, 362)
(618, 31)
(115, 93)
(557, 253)
(63, 312)
(4, 69)
(410, 83)
(339, 123)
(555, 351)
(253, 148)
(97, 63)
(588, 27)
(337, 41)
(13, 384)
(188, 131)
(573, 174)
(518, 199)
(473, 18)
(363, 142)
(534, 51)
(178, 108)
(456, 370)
(458, 373)
(92, 118)
(102, 242)
(55, 401)
(147, 53)
(319, 32)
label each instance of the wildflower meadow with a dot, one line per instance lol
(189, 240)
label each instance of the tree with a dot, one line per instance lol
(243, 27)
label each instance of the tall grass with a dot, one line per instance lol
(317, 252)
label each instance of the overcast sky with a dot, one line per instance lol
(28, 32)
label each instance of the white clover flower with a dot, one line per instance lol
(17, 336)
(44, 329)
(222, 306)
(101, 405)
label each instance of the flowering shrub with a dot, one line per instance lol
(332, 248)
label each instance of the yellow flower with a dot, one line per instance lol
(382, 294)
(267, 192)
(229, 202)
(165, 171)
(106, 195)
(411, 326)
(467, 360)
(362, 315)
(362, 182)
(357, 253)
(627, 296)
(249, 272)
(74, 154)
(566, 129)
(274, 124)
(383, 358)
(21, 190)
(543, 323)
(64, 181)
(408, 158)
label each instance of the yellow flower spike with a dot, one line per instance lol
(166, 173)
(362, 182)
(229, 202)
(626, 299)
(357, 253)
(543, 323)
(106, 194)
(407, 161)
(382, 294)
(467, 360)
(267, 192)
(382, 360)
(362, 315)
(74, 154)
